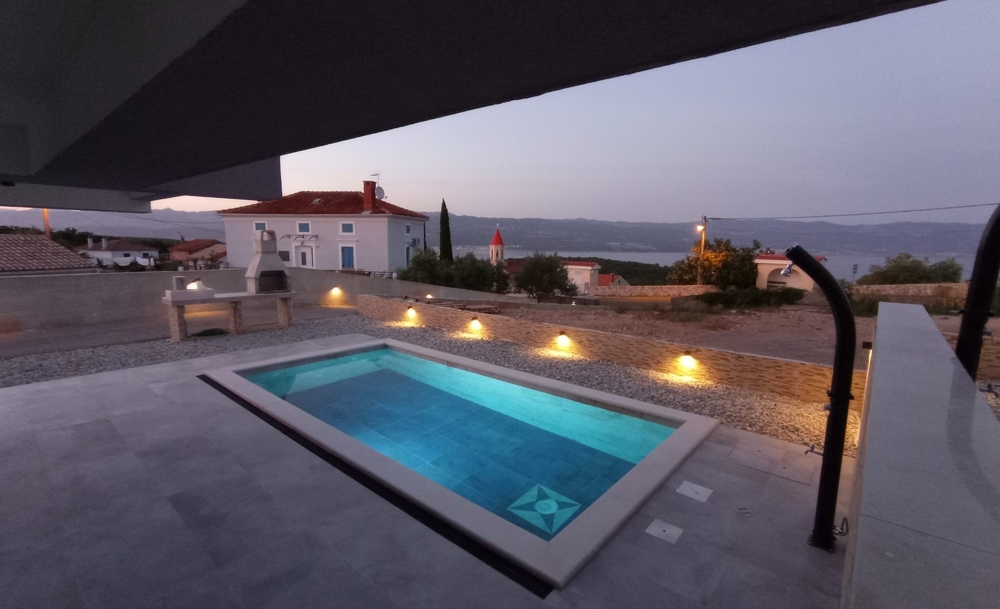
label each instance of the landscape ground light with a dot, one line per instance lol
(840, 395)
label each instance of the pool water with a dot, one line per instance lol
(532, 458)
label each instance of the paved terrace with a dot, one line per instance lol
(147, 488)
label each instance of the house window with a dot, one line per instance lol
(407, 229)
(284, 255)
(407, 253)
(347, 257)
(347, 228)
(260, 226)
(145, 254)
(304, 227)
(127, 255)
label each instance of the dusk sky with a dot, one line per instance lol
(897, 112)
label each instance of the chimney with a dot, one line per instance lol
(90, 243)
(104, 243)
(369, 197)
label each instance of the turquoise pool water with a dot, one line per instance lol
(534, 459)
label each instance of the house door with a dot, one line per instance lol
(347, 257)
(304, 257)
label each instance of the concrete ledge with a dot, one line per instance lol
(926, 511)
(555, 561)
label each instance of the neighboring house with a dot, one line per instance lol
(610, 279)
(583, 274)
(332, 230)
(191, 252)
(119, 251)
(769, 275)
(36, 254)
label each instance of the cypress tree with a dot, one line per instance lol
(445, 234)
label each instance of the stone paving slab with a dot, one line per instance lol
(145, 487)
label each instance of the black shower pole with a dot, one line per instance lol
(982, 286)
(840, 395)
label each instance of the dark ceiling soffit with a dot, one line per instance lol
(240, 95)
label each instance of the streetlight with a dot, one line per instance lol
(703, 229)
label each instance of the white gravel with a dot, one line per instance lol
(762, 413)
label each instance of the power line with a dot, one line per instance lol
(867, 213)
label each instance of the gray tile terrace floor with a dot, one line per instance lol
(147, 488)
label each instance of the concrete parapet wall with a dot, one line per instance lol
(659, 291)
(32, 301)
(797, 380)
(934, 294)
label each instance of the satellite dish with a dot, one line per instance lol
(379, 192)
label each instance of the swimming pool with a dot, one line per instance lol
(542, 471)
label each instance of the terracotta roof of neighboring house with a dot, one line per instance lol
(195, 245)
(781, 258)
(322, 203)
(497, 239)
(606, 278)
(117, 245)
(512, 265)
(37, 253)
(579, 263)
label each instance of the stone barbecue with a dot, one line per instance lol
(266, 273)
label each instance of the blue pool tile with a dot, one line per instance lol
(498, 483)
(460, 462)
(476, 497)
(430, 446)
(436, 416)
(350, 426)
(401, 455)
(527, 462)
(376, 440)
(567, 477)
(402, 431)
(438, 475)
(375, 416)
(463, 431)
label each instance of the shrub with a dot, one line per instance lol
(724, 265)
(904, 268)
(751, 298)
(544, 275)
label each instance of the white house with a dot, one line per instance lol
(331, 230)
(584, 274)
(119, 251)
(769, 275)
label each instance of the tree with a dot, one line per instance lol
(425, 267)
(445, 234)
(724, 265)
(544, 275)
(473, 273)
(904, 268)
(501, 280)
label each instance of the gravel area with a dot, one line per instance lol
(761, 413)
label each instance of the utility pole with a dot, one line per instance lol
(45, 220)
(703, 229)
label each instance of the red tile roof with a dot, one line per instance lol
(37, 253)
(322, 203)
(604, 279)
(781, 258)
(497, 239)
(579, 263)
(195, 245)
(118, 245)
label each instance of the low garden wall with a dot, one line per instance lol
(948, 295)
(797, 380)
(659, 291)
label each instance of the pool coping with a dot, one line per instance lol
(555, 561)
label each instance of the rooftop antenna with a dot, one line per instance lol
(379, 191)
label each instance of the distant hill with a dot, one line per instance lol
(924, 238)
(161, 223)
(529, 234)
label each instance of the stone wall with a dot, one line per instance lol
(950, 295)
(32, 301)
(659, 291)
(798, 380)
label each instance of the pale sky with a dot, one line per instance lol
(898, 112)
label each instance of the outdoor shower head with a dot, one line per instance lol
(787, 271)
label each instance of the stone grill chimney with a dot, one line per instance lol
(266, 273)
(369, 197)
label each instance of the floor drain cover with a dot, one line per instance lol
(664, 530)
(692, 490)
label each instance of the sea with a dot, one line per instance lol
(842, 266)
